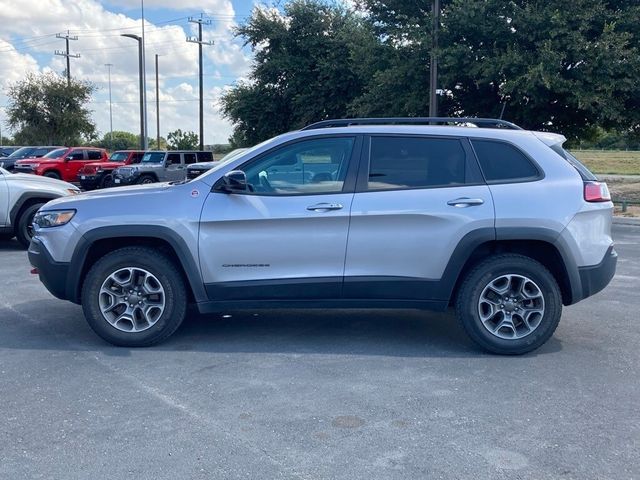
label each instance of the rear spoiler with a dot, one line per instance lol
(550, 139)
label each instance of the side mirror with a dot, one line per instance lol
(234, 181)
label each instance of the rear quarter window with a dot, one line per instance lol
(504, 163)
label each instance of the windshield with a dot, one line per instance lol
(55, 153)
(21, 152)
(118, 157)
(153, 157)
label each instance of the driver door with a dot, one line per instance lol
(286, 238)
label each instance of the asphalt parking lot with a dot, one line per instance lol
(318, 394)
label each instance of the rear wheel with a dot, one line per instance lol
(24, 224)
(146, 179)
(55, 175)
(509, 304)
(134, 297)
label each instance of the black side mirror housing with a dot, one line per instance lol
(234, 181)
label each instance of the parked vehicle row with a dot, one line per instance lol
(20, 198)
(9, 161)
(160, 166)
(501, 223)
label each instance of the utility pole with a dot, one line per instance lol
(433, 64)
(157, 108)
(66, 38)
(200, 21)
(109, 65)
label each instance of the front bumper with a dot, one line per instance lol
(89, 182)
(23, 169)
(597, 277)
(53, 275)
(120, 180)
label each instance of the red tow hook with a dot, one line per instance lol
(34, 271)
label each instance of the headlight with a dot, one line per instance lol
(99, 170)
(53, 218)
(73, 191)
(34, 166)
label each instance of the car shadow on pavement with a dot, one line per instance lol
(57, 325)
(10, 246)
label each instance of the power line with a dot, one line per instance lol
(66, 38)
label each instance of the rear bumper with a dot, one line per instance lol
(597, 277)
(53, 275)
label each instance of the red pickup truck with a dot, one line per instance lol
(98, 174)
(63, 163)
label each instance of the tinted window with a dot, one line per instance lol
(39, 152)
(503, 162)
(23, 152)
(136, 157)
(307, 167)
(56, 153)
(76, 155)
(153, 157)
(403, 162)
(118, 156)
(205, 156)
(584, 172)
(173, 159)
(94, 154)
(189, 158)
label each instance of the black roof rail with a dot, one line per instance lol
(478, 122)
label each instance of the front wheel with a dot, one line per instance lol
(146, 179)
(52, 175)
(509, 304)
(134, 297)
(107, 181)
(24, 224)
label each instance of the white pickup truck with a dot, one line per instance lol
(21, 196)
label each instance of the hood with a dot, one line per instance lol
(202, 165)
(30, 160)
(105, 164)
(39, 180)
(111, 194)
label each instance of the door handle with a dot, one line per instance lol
(324, 206)
(465, 202)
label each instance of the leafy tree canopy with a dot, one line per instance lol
(44, 109)
(179, 140)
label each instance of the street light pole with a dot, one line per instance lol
(200, 21)
(143, 123)
(157, 108)
(433, 64)
(144, 80)
(109, 65)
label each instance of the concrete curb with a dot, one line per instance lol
(626, 221)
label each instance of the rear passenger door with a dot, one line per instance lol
(417, 197)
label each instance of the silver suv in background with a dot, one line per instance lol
(160, 166)
(501, 223)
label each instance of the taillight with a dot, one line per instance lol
(596, 192)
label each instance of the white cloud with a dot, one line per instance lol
(99, 42)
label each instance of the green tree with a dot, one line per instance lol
(306, 68)
(121, 141)
(551, 67)
(179, 140)
(44, 109)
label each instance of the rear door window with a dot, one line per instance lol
(503, 163)
(173, 159)
(94, 154)
(189, 158)
(416, 162)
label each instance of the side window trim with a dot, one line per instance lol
(539, 176)
(350, 177)
(473, 174)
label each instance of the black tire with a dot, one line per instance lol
(55, 175)
(169, 278)
(107, 181)
(146, 179)
(24, 230)
(468, 299)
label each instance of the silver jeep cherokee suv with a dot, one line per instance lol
(502, 223)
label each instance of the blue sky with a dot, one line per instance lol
(28, 41)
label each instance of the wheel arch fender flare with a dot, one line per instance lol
(153, 232)
(25, 198)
